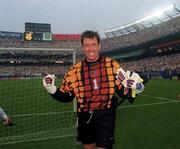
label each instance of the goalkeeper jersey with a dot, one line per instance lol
(93, 84)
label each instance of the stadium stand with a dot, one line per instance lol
(162, 30)
(143, 30)
(152, 48)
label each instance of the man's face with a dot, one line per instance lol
(91, 49)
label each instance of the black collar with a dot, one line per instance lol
(95, 62)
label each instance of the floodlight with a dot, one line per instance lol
(160, 12)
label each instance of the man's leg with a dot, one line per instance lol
(105, 126)
(86, 131)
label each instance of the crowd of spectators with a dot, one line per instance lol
(30, 71)
(20, 63)
(151, 64)
(15, 43)
(148, 34)
(152, 33)
(157, 63)
(155, 32)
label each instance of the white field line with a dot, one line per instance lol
(156, 97)
(37, 114)
(37, 139)
(148, 104)
(166, 101)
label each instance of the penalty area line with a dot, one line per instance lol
(156, 97)
(166, 101)
(148, 104)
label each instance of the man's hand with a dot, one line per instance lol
(7, 121)
(137, 85)
(48, 83)
(130, 80)
(137, 80)
(122, 76)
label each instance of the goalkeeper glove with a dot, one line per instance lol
(132, 81)
(122, 76)
(137, 85)
(48, 83)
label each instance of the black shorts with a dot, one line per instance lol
(97, 127)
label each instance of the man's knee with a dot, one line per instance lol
(89, 146)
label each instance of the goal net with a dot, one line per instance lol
(35, 113)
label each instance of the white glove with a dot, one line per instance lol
(137, 85)
(48, 83)
(122, 76)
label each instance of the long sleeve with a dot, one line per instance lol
(3, 115)
(62, 96)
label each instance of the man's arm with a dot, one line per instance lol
(6, 120)
(62, 96)
(3, 115)
(56, 93)
(125, 94)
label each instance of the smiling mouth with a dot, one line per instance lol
(91, 54)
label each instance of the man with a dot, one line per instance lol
(6, 120)
(94, 82)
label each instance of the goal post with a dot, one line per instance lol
(74, 101)
(35, 114)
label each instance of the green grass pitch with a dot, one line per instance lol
(152, 122)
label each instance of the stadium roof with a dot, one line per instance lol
(158, 17)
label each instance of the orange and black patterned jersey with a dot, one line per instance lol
(93, 84)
